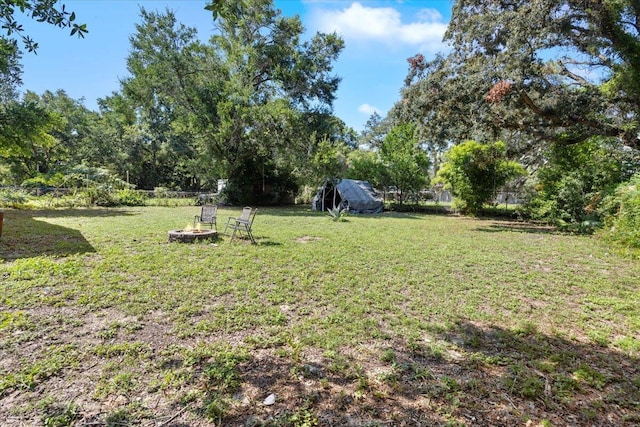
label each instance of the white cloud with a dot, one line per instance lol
(383, 24)
(429, 15)
(368, 109)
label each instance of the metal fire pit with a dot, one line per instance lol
(188, 236)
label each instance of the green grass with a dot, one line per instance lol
(439, 319)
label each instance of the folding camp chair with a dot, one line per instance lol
(242, 224)
(207, 215)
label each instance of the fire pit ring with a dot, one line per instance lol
(188, 236)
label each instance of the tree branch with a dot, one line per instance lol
(573, 76)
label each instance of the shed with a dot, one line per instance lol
(358, 196)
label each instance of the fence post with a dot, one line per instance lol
(1, 221)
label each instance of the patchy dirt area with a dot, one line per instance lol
(102, 368)
(307, 239)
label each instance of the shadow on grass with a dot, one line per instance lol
(430, 209)
(25, 237)
(286, 211)
(467, 375)
(81, 213)
(500, 226)
(305, 211)
(262, 242)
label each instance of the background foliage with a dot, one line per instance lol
(556, 80)
(622, 210)
(474, 172)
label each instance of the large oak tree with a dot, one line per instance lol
(249, 98)
(555, 71)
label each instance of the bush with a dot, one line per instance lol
(621, 212)
(106, 197)
(570, 205)
(161, 192)
(169, 202)
(99, 196)
(570, 186)
(206, 199)
(13, 198)
(305, 195)
(52, 202)
(129, 197)
(35, 182)
(475, 171)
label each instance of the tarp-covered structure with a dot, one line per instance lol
(357, 196)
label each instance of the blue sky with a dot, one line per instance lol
(379, 37)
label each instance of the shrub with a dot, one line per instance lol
(621, 213)
(129, 197)
(99, 196)
(35, 182)
(161, 192)
(207, 198)
(475, 171)
(73, 200)
(305, 195)
(570, 186)
(13, 198)
(571, 205)
(169, 202)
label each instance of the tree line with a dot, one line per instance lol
(542, 94)
(253, 105)
(557, 80)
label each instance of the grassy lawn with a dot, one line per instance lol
(395, 319)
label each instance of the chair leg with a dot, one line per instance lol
(250, 234)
